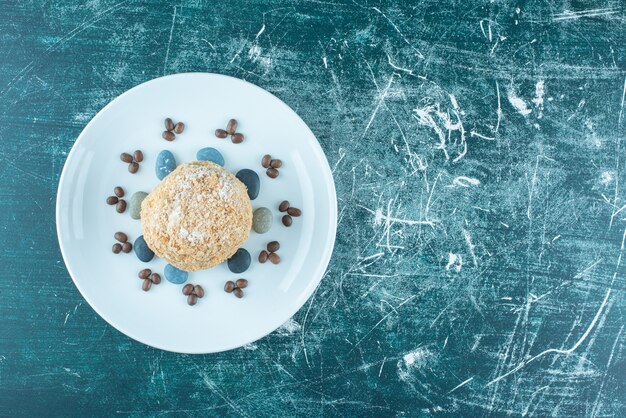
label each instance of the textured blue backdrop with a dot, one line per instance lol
(479, 155)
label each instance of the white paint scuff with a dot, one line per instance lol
(518, 103)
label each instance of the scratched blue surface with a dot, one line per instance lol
(479, 155)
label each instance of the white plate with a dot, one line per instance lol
(86, 224)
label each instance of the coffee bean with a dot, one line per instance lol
(229, 287)
(147, 284)
(119, 192)
(127, 247)
(284, 205)
(273, 246)
(238, 292)
(121, 237)
(155, 278)
(237, 138)
(231, 127)
(287, 220)
(187, 289)
(272, 173)
(294, 212)
(144, 274)
(265, 161)
(117, 247)
(168, 136)
(126, 157)
(276, 163)
(121, 206)
(179, 128)
(263, 256)
(133, 167)
(274, 258)
(241, 283)
(198, 291)
(192, 299)
(112, 200)
(138, 156)
(220, 133)
(169, 125)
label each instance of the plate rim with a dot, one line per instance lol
(333, 210)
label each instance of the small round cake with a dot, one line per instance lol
(197, 217)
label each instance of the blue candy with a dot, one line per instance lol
(143, 252)
(165, 164)
(174, 275)
(210, 154)
(251, 180)
(240, 261)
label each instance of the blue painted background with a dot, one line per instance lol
(479, 155)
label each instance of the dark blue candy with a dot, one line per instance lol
(239, 262)
(174, 275)
(251, 180)
(210, 154)
(165, 164)
(143, 252)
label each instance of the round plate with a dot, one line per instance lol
(86, 224)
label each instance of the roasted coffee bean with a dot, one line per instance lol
(119, 192)
(169, 125)
(112, 200)
(287, 220)
(138, 156)
(272, 173)
(238, 292)
(237, 138)
(273, 246)
(220, 133)
(147, 284)
(263, 256)
(179, 128)
(144, 274)
(121, 206)
(229, 287)
(294, 212)
(133, 167)
(274, 258)
(265, 161)
(241, 283)
(168, 136)
(126, 157)
(284, 205)
(117, 248)
(198, 291)
(231, 127)
(276, 163)
(121, 237)
(192, 299)
(187, 289)
(155, 278)
(127, 247)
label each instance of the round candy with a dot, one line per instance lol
(262, 220)
(240, 261)
(165, 164)
(210, 154)
(251, 180)
(174, 275)
(143, 252)
(135, 204)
